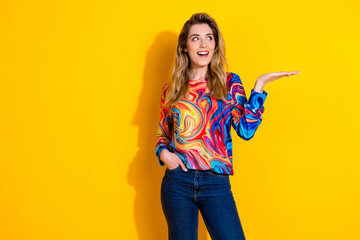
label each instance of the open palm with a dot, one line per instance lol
(269, 77)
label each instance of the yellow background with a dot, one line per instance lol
(80, 88)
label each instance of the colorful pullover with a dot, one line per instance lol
(197, 129)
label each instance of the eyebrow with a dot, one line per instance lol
(196, 34)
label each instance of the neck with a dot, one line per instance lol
(197, 73)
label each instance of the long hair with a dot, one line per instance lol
(216, 75)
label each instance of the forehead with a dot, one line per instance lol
(201, 29)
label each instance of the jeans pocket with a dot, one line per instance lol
(174, 169)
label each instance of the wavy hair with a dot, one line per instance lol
(215, 75)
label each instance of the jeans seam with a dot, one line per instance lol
(208, 228)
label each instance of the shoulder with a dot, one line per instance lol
(165, 88)
(164, 92)
(233, 78)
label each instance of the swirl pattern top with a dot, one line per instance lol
(197, 129)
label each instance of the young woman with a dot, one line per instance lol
(198, 108)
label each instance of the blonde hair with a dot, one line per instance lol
(216, 75)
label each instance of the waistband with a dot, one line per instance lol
(197, 172)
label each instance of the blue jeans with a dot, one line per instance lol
(183, 194)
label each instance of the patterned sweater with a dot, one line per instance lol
(197, 129)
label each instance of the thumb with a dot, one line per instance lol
(183, 166)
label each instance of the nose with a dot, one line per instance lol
(202, 43)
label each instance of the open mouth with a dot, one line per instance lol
(203, 53)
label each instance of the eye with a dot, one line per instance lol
(196, 38)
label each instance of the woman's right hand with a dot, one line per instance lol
(171, 160)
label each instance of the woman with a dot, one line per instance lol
(198, 108)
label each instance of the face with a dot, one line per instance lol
(200, 45)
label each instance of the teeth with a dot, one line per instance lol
(203, 53)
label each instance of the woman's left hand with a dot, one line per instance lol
(269, 77)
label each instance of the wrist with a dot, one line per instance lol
(163, 152)
(259, 86)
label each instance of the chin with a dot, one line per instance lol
(201, 65)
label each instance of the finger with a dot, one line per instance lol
(293, 73)
(280, 75)
(285, 74)
(183, 166)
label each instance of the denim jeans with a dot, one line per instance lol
(183, 194)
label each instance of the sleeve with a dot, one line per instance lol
(165, 126)
(246, 114)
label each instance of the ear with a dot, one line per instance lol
(185, 50)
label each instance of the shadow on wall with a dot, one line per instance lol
(145, 173)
